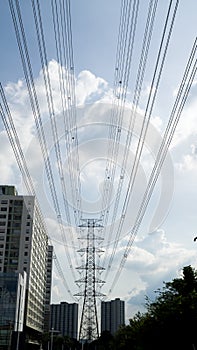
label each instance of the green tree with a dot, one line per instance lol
(104, 342)
(170, 321)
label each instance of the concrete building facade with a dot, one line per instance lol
(48, 288)
(24, 247)
(64, 319)
(112, 315)
(12, 307)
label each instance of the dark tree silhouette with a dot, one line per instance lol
(170, 321)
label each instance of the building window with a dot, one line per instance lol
(2, 216)
(17, 217)
(2, 223)
(16, 224)
(16, 232)
(4, 209)
(18, 203)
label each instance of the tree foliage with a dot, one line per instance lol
(59, 342)
(170, 321)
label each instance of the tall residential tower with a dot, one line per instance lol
(112, 315)
(64, 319)
(24, 247)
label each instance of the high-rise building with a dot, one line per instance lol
(64, 319)
(112, 315)
(12, 307)
(48, 289)
(24, 247)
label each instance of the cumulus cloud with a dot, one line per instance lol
(153, 258)
(189, 163)
(187, 125)
(89, 87)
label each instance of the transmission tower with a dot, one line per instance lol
(89, 321)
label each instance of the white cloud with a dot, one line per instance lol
(9, 169)
(89, 86)
(187, 125)
(153, 258)
(18, 101)
(152, 261)
(189, 163)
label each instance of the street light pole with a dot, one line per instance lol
(52, 338)
(10, 334)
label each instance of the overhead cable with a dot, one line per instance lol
(137, 91)
(181, 98)
(22, 164)
(161, 57)
(27, 68)
(52, 114)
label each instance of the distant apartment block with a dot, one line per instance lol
(112, 315)
(64, 319)
(24, 248)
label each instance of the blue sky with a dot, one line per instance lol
(94, 40)
(156, 256)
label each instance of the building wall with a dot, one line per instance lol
(24, 247)
(48, 288)
(112, 315)
(12, 304)
(64, 319)
(38, 246)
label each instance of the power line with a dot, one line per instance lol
(182, 95)
(61, 17)
(27, 68)
(138, 86)
(50, 103)
(161, 56)
(22, 164)
(126, 37)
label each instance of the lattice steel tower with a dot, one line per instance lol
(89, 322)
